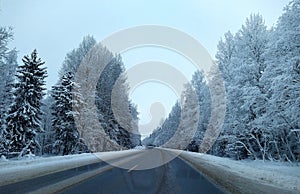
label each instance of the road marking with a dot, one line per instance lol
(132, 168)
(60, 186)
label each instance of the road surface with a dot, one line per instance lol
(137, 175)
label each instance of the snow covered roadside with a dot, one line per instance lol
(19, 170)
(247, 176)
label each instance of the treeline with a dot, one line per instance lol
(261, 70)
(54, 123)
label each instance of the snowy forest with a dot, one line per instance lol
(261, 70)
(36, 122)
(260, 67)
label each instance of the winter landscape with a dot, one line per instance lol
(77, 127)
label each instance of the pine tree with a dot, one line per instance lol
(67, 100)
(23, 120)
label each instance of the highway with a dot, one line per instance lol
(148, 171)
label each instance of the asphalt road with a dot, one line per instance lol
(150, 171)
(175, 176)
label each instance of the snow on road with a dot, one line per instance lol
(235, 176)
(248, 176)
(17, 170)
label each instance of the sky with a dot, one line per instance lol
(55, 27)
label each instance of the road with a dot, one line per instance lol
(149, 171)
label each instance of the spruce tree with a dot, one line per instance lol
(67, 100)
(23, 119)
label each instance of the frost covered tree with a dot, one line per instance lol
(252, 42)
(67, 99)
(200, 85)
(9, 75)
(165, 132)
(226, 61)
(135, 136)
(8, 65)
(24, 116)
(112, 93)
(75, 57)
(261, 73)
(121, 111)
(197, 93)
(197, 99)
(8, 72)
(46, 138)
(189, 120)
(91, 120)
(282, 76)
(100, 66)
(241, 59)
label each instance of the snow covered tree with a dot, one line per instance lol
(261, 70)
(226, 61)
(24, 116)
(91, 121)
(8, 72)
(189, 120)
(251, 42)
(261, 73)
(241, 59)
(135, 136)
(75, 57)
(165, 132)
(46, 138)
(104, 68)
(67, 98)
(201, 88)
(8, 65)
(196, 99)
(112, 101)
(282, 76)
(225, 56)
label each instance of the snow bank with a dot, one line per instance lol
(139, 148)
(247, 176)
(14, 171)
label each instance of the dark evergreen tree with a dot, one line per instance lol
(67, 100)
(106, 84)
(23, 120)
(193, 146)
(46, 138)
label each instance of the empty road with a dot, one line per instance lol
(149, 171)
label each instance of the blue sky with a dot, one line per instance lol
(54, 27)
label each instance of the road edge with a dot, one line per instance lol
(229, 181)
